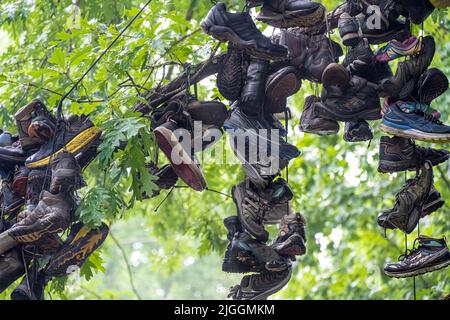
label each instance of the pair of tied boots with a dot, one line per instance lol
(52, 213)
(184, 126)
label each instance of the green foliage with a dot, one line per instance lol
(45, 46)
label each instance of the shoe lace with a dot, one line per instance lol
(409, 252)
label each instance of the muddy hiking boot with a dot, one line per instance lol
(291, 13)
(409, 202)
(360, 101)
(357, 131)
(431, 85)
(397, 49)
(251, 101)
(281, 85)
(311, 122)
(402, 84)
(240, 30)
(231, 77)
(52, 215)
(432, 204)
(414, 125)
(261, 285)
(75, 135)
(35, 124)
(401, 154)
(77, 248)
(429, 255)
(66, 174)
(11, 268)
(253, 205)
(291, 238)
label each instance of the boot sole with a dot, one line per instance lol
(292, 19)
(275, 289)
(78, 144)
(187, 170)
(417, 272)
(416, 134)
(399, 166)
(279, 89)
(328, 113)
(335, 75)
(436, 86)
(226, 34)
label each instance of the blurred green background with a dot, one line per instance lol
(175, 253)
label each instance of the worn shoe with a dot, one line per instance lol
(260, 286)
(51, 215)
(336, 77)
(417, 10)
(11, 268)
(14, 155)
(20, 181)
(402, 84)
(231, 77)
(30, 288)
(401, 154)
(349, 29)
(396, 49)
(251, 101)
(240, 30)
(432, 84)
(291, 238)
(291, 13)
(281, 85)
(359, 102)
(43, 124)
(10, 202)
(430, 255)
(75, 136)
(418, 126)
(79, 245)
(261, 251)
(237, 260)
(410, 201)
(310, 122)
(356, 131)
(38, 180)
(66, 174)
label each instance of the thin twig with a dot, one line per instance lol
(125, 258)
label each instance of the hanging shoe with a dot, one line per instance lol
(31, 287)
(335, 76)
(279, 86)
(240, 30)
(251, 101)
(396, 49)
(291, 238)
(11, 268)
(402, 84)
(75, 135)
(10, 201)
(430, 255)
(43, 127)
(310, 122)
(417, 10)
(261, 285)
(418, 126)
(291, 13)
(359, 102)
(410, 201)
(77, 248)
(349, 29)
(261, 251)
(66, 174)
(356, 131)
(401, 154)
(231, 77)
(431, 85)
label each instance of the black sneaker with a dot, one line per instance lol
(251, 101)
(356, 131)
(261, 251)
(231, 77)
(349, 29)
(409, 202)
(432, 84)
(430, 255)
(281, 85)
(291, 13)
(291, 238)
(359, 102)
(402, 84)
(401, 154)
(241, 31)
(310, 122)
(260, 286)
